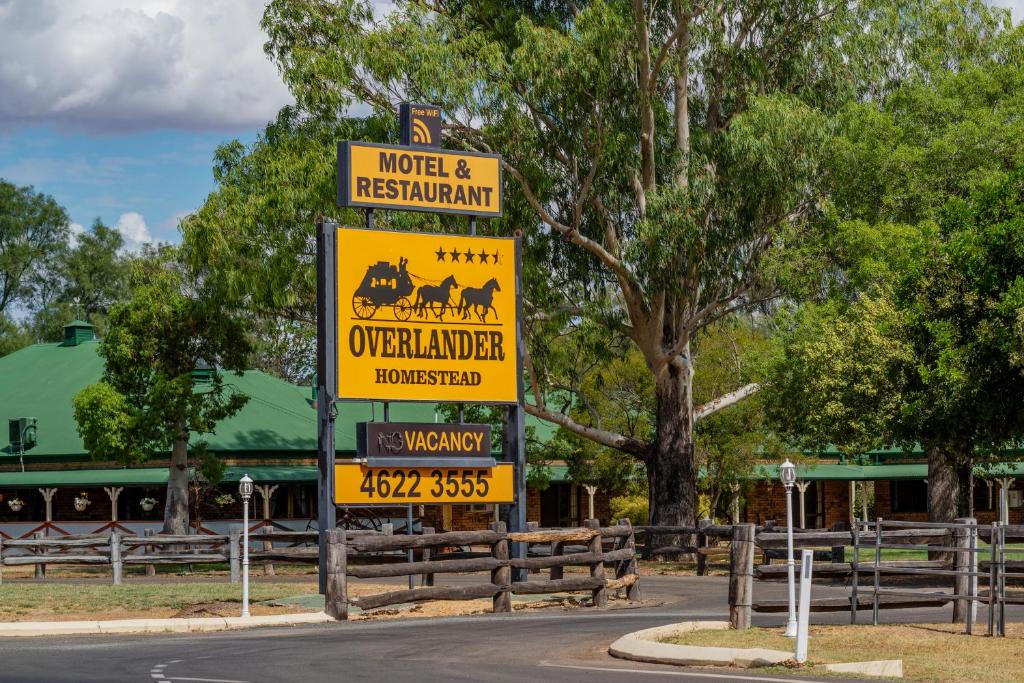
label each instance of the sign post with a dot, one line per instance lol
(326, 387)
(419, 317)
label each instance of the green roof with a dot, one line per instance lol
(827, 472)
(41, 381)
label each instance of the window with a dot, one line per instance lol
(985, 495)
(909, 496)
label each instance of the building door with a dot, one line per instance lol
(556, 505)
(814, 506)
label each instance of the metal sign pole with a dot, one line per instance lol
(515, 436)
(326, 364)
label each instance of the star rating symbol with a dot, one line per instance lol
(440, 254)
(455, 255)
(495, 257)
(484, 256)
(470, 256)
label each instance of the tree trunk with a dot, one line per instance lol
(965, 475)
(943, 487)
(176, 510)
(671, 467)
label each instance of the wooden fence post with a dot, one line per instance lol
(336, 595)
(627, 567)
(600, 594)
(40, 568)
(962, 564)
(150, 568)
(268, 567)
(427, 579)
(741, 575)
(116, 566)
(501, 576)
(702, 543)
(557, 548)
(387, 528)
(234, 550)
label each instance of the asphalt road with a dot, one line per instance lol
(539, 646)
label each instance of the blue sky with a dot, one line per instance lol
(160, 175)
(115, 107)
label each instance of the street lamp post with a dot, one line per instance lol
(787, 473)
(245, 489)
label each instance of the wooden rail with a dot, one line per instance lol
(498, 562)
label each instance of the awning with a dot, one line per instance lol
(831, 472)
(138, 476)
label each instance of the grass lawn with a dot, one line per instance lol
(64, 602)
(936, 653)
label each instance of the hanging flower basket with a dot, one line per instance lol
(16, 504)
(224, 499)
(82, 502)
(148, 504)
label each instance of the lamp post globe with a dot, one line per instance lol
(787, 475)
(245, 489)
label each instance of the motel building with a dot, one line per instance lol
(53, 486)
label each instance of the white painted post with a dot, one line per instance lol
(245, 557)
(591, 490)
(266, 491)
(864, 499)
(48, 497)
(806, 565)
(1004, 499)
(853, 508)
(113, 492)
(801, 486)
(790, 568)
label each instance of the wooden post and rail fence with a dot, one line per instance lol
(497, 562)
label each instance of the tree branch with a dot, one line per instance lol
(724, 401)
(619, 442)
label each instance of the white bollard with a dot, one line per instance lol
(804, 612)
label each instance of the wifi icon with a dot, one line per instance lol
(421, 133)
(419, 124)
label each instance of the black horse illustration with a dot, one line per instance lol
(480, 301)
(431, 295)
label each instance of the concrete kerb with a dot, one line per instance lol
(192, 625)
(646, 646)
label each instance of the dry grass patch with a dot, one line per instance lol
(71, 602)
(936, 653)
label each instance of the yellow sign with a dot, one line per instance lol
(391, 177)
(356, 484)
(426, 317)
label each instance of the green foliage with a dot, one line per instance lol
(632, 506)
(147, 398)
(33, 229)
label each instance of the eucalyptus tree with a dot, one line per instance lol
(33, 230)
(662, 161)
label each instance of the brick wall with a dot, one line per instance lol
(767, 501)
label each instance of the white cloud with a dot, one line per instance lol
(74, 230)
(111, 66)
(133, 229)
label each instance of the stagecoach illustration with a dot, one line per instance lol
(386, 285)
